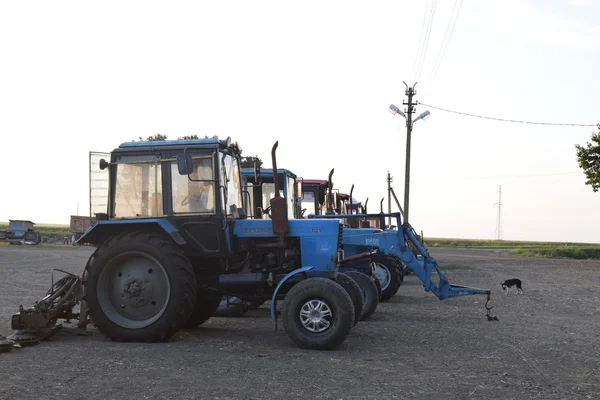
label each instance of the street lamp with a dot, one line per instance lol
(409, 123)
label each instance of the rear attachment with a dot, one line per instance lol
(39, 322)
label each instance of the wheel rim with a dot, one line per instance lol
(316, 316)
(383, 274)
(133, 290)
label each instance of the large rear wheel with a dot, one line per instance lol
(139, 287)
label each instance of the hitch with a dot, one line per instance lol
(39, 322)
(489, 317)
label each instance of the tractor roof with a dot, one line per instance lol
(210, 143)
(170, 142)
(267, 172)
(314, 181)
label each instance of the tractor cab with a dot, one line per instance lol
(189, 188)
(259, 189)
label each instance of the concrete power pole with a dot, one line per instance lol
(499, 220)
(410, 92)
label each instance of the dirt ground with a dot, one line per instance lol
(545, 344)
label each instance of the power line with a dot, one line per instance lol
(418, 56)
(429, 25)
(449, 38)
(503, 119)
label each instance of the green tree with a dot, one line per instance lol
(248, 162)
(188, 137)
(588, 157)
(155, 137)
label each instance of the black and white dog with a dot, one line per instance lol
(510, 283)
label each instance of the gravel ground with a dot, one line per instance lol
(545, 345)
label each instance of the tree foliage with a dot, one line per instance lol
(248, 162)
(155, 137)
(188, 137)
(588, 157)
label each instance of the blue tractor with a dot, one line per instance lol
(176, 239)
(319, 199)
(392, 250)
(260, 188)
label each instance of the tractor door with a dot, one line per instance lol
(98, 184)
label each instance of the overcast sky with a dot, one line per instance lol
(319, 77)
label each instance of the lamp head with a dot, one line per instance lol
(395, 110)
(423, 116)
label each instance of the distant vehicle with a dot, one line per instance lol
(22, 232)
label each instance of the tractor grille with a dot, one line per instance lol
(340, 233)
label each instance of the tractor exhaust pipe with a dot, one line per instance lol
(351, 190)
(279, 215)
(330, 197)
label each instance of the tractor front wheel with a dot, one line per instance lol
(355, 292)
(139, 287)
(368, 291)
(318, 314)
(390, 274)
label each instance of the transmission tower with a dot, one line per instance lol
(499, 221)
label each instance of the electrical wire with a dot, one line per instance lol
(503, 119)
(449, 38)
(420, 41)
(429, 26)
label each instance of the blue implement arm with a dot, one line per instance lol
(423, 265)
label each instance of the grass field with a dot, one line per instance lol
(579, 251)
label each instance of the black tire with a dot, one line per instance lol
(378, 284)
(352, 287)
(338, 302)
(393, 269)
(369, 292)
(207, 302)
(237, 307)
(126, 256)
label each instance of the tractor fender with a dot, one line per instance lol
(285, 278)
(102, 230)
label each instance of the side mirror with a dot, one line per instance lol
(299, 189)
(184, 164)
(103, 164)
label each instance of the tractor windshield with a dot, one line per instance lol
(308, 203)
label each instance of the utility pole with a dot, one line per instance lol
(389, 182)
(410, 92)
(499, 221)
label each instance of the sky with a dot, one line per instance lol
(319, 78)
